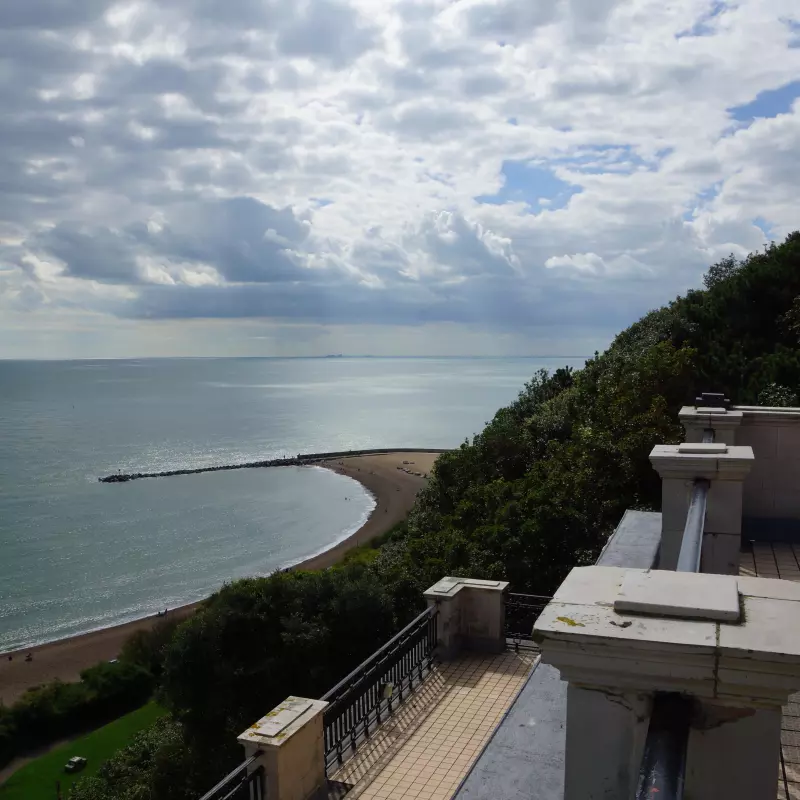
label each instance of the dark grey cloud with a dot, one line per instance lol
(244, 240)
(486, 302)
(481, 84)
(50, 14)
(426, 120)
(163, 76)
(510, 19)
(93, 253)
(450, 240)
(326, 30)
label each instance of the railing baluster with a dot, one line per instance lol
(522, 611)
(235, 783)
(348, 720)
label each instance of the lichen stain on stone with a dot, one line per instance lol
(571, 622)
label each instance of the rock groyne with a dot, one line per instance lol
(300, 460)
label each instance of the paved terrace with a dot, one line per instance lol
(424, 751)
(527, 749)
(776, 560)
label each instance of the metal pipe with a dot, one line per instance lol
(663, 767)
(692, 543)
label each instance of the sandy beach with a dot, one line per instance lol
(384, 475)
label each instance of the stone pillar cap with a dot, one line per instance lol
(698, 460)
(448, 587)
(710, 417)
(277, 727)
(754, 662)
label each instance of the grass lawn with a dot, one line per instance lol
(37, 780)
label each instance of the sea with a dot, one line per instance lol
(77, 555)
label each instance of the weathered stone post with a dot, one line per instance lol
(290, 739)
(471, 615)
(696, 420)
(729, 644)
(725, 467)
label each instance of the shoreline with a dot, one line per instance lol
(300, 460)
(380, 472)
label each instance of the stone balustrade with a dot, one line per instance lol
(619, 636)
(770, 490)
(471, 615)
(725, 467)
(289, 741)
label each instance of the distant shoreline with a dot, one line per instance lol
(380, 472)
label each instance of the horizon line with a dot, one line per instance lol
(330, 357)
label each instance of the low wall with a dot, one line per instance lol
(771, 488)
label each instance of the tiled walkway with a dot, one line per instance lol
(781, 561)
(426, 749)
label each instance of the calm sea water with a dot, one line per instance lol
(76, 555)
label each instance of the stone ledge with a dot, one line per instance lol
(678, 594)
(710, 417)
(732, 465)
(448, 587)
(283, 722)
(756, 660)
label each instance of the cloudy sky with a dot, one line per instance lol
(276, 177)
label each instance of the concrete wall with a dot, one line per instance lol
(772, 489)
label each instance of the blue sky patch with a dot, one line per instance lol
(765, 226)
(608, 158)
(702, 198)
(702, 27)
(794, 29)
(523, 182)
(767, 104)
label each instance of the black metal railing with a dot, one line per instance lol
(372, 691)
(522, 610)
(241, 784)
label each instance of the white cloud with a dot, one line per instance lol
(320, 161)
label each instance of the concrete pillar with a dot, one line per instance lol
(725, 735)
(696, 421)
(621, 636)
(290, 739)
(606, 732)
(471, 615)
(726, 467)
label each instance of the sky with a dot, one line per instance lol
(387, 177)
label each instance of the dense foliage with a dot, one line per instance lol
(543, 485)
(51, 712)
(154, 765)
(536, 492)
(263, 638)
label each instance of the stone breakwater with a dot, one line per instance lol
(301, 460)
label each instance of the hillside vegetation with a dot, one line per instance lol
(535, 493)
